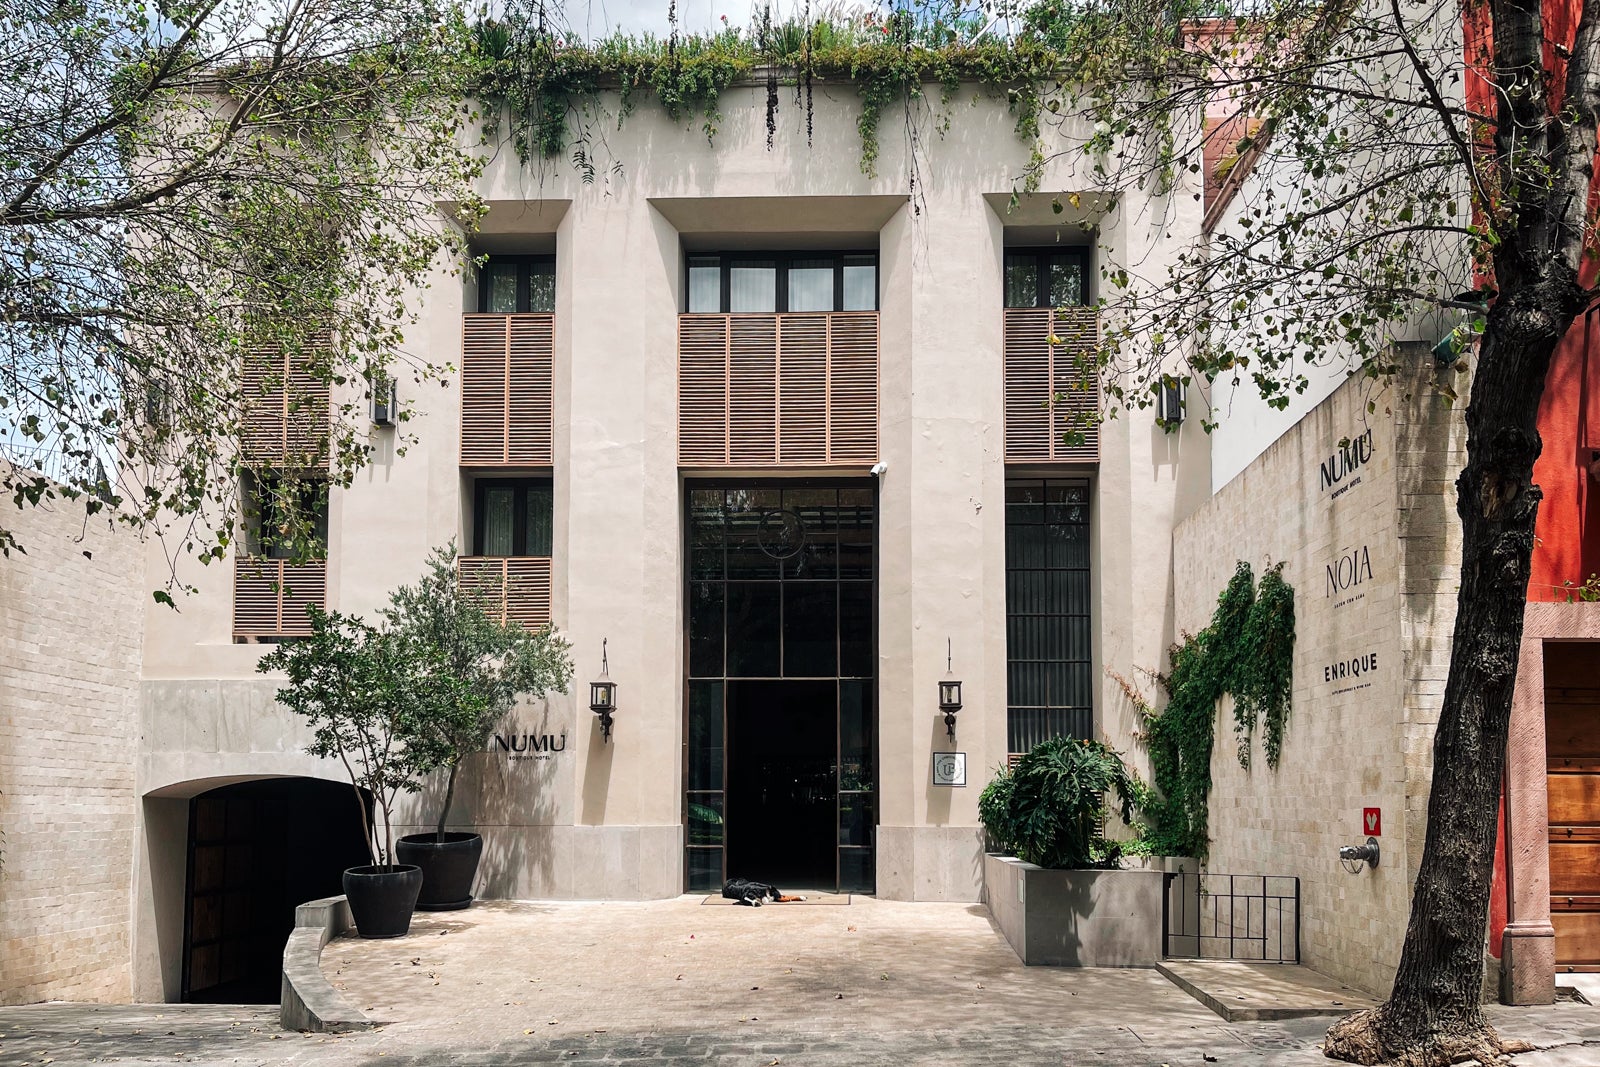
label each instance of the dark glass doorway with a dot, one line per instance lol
(780, 765)
(257, 850)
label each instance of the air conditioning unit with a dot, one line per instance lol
(385, 401)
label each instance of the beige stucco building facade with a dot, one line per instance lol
(587, 817)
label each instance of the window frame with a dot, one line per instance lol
(524, 265)
(257, 512)
(783, 263)
(1041, 275)
(519, 512)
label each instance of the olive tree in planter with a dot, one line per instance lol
(1064, 898)
(355, 686)
(478, 667)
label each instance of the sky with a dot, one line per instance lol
(596, 18)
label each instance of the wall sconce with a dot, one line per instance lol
(603, 695)
(1170, 402)
(949, 693)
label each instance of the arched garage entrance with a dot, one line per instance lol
(257, 849)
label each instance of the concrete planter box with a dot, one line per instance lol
(1075, 918)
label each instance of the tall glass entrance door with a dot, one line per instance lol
(780, 761)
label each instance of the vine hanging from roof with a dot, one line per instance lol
(544, 89)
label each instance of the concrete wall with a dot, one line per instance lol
(71, 622)
(1358, 736)
(600, 819)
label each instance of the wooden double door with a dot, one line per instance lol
(1572, 748)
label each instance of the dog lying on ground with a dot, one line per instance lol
(754, 894)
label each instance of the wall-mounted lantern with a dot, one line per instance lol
(1170, 402)
(603, 695)
(949, 693)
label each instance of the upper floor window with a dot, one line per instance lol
(1046, 278)
(282, 514)
(509, 284)
(783, 281)
(512, 517)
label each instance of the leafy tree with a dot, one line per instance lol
(186, 185)
(356, 686)
(477, 667)
(1398, 193)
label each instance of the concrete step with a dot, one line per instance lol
(1256, 992)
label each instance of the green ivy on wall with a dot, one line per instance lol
(1247, 652)
(549, 87)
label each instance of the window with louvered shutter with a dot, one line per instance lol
(794, 389)
(506, 403)
(1051, 388)
(286, 410)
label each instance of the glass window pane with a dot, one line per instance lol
(1066, 281)
(705, 629)
(810, 628)
(811, 285)
(753, 285)
(856, 870)
(705, 870)
(855, 630)
(705, 284)
(753, 614)
(705, 818)
(705, 533)
(1022, 281)
(540, 532)
(758, 533)
(860, 283)
(499, 521)
(542, 287)
(855, 819)
(500, 288)
(705, 737)
(855, 735)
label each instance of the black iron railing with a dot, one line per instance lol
(1231, 917)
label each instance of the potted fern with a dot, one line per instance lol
(475, 669)
(1053, 882)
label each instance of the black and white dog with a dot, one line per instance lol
(754, 894)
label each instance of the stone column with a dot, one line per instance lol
(1528, 960)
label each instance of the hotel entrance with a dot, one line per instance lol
(780, 755)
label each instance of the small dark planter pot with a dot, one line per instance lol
(383, 898)
(448, 867)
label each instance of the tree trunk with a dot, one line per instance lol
(1433, 1015)
(444, 809)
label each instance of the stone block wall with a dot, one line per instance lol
(1357, 505)
(71, 630)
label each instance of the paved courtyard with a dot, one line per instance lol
(875, 982)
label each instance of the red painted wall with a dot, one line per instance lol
(1567, 548)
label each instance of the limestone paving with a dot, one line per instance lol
(878, 982)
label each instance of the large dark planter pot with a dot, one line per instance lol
(448, 867)
(383, 898)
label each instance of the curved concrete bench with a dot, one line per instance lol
(307, 1001)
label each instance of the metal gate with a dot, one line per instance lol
(1231, 917)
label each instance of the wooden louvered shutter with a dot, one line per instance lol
(703, 390)
(802, 389)
(516, 589)
(797, 390)
(1037, 373)
(270, 596)
(753, 390)
(1076, 382)
(507, 414)
(1027, 386)
(853, 388)
(261, 381)
(528, 382)
(286, 408)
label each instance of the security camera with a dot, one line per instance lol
(878, 468)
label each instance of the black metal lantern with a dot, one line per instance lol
(949, 694)
(603, 695)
